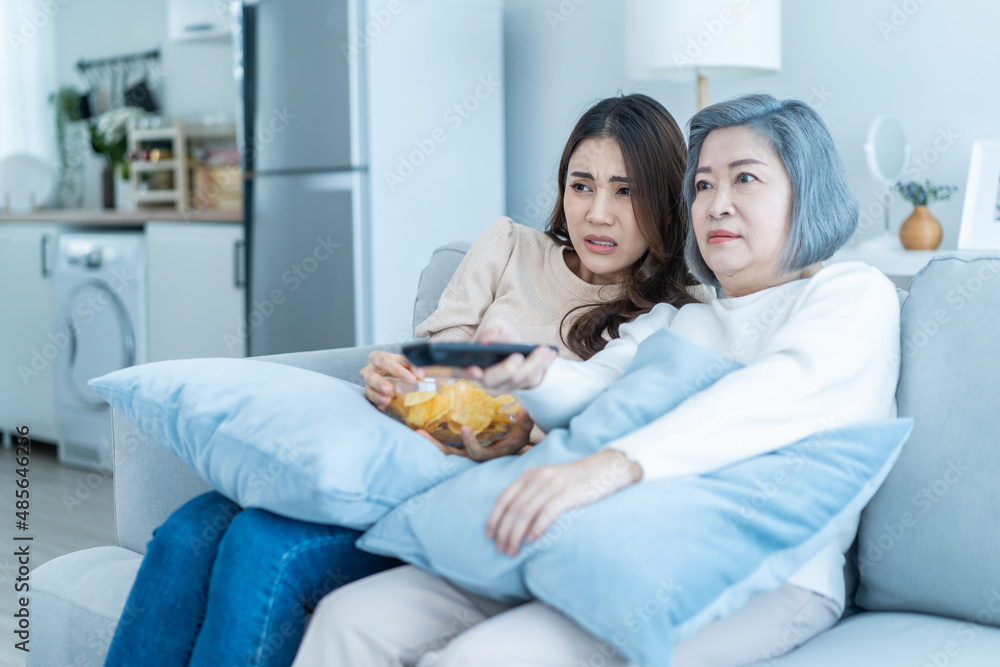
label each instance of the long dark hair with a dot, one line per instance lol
(655, 157)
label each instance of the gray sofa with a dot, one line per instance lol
(924, 576)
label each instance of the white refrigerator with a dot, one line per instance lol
(372, 132)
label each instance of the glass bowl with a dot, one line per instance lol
(442, 406)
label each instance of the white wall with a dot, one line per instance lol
(937, 74)
(192, 79)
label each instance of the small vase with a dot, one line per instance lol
(921, 231)
(109, 187)
(123, 193)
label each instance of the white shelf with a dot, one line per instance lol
(153, 134)
(899, 262)
(160, 165)
(210, 131)
(157, 196)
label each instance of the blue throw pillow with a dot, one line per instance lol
(695, 548)
(292, 441)
(425, 531)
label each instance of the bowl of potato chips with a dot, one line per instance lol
(442, 406)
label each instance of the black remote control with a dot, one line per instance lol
(463, 354)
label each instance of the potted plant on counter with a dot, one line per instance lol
(922, 231)
(109, 137)
(70, 142)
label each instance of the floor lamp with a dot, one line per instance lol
(677, 40)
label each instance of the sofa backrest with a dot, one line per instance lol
(929, 540)
(435, 276)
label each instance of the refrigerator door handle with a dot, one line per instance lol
(45, 256)
(239, 264)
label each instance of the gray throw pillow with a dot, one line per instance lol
(929, 541)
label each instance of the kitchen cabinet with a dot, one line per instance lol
(197, 19)
(197, 290)
(31, 342)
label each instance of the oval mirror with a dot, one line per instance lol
(886, 149)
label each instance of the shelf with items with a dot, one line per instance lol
(185, 166)
(157, 170)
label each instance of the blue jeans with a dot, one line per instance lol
(226, 587)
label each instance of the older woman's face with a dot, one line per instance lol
(742, 210)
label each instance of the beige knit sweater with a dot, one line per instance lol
(519, 274)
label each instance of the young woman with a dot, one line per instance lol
(224, 586)
(769, 201)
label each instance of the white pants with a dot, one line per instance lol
(407, 617)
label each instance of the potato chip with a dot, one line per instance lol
(417, 397)
(456, 404)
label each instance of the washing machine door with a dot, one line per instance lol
(102, 338)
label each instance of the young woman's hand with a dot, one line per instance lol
(516, 371)
(526, 508)
(382, 365)
(512, 443)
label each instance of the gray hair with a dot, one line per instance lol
(824, 208)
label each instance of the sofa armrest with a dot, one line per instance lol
(150, 482)
(344, 363)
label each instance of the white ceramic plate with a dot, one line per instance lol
(25, 180)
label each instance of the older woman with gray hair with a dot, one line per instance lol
(769, 202)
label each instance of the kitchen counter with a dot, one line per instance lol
(112, 218)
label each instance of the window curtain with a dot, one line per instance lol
(28, 77)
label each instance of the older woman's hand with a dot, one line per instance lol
(515, 442)
(381, 365)
(527, 508)
(516, 371)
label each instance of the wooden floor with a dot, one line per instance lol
(70, 509)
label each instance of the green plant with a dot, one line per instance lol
(109, 136)
(923, 194)
(67, 110)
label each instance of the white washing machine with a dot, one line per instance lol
(100, 282)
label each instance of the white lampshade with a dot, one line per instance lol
(679, 39)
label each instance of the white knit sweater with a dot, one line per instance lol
(818, 353)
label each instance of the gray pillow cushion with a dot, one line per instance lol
(929, 541)
(435, 277)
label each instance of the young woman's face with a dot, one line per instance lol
(599, 216)
(742, 210)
